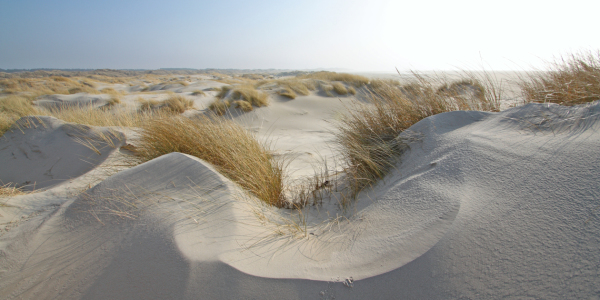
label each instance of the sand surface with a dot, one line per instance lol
(481, 205)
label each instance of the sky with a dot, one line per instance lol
(368, 36)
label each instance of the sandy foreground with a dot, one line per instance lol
(482, 205)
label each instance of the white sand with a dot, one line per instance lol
(482, 205)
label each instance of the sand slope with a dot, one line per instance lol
(41, 152)
(482, 205)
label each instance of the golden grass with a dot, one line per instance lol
(327, 88)
(178, 104)
(9, 190)
(352, 90)
(34, 87)
(355, 80)
(11, 109)
(243, 105)
(250, 94)
(219, 107)
(147, 104)
(286, 92)
(223, 91)
(571, 80)
(368, 135)
(233, 150)
(339, 88)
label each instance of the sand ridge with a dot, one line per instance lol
(481, 205)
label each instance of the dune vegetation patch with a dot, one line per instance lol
(355, 80)
(34, 87)
(9, 190)
(198, 93)
(234, 94)
(219, 106)
(286, 92)
(339, 88)
(571, 80)
(178, 104)
(368, 135)
(243, 105)
(173, 104)
(233, 150)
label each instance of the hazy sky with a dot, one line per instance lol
(376, 35)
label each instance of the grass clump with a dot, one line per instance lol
(327, 88)
(12, 108)
(250, 94)
(224, 90)
(178, 104)
(219, 106)
(233, 150)
(198, 93)
(355, 80)
(368, 135)
(9, 190)
(243, 105)
(339, 88)
(148, 104)
(571, 80)
(286, 92)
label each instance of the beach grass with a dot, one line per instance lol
(368, 135)
(178, 104)
(352, 79)
(219, 106)
(233, 150)
(572, 79)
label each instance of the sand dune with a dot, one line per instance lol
(482, 205)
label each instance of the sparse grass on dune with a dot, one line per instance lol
(355, 80)
(9, 190)
(246, 93)
(368, 136)
(233, 150)
(250, 94)
(327, 88)
(571, 80)
(286, 92)
(223, 91)
(339, 88)
(174, 104)
(11, 109)
(219, 106)
(178, 104)
(243, 105)
(198, 93)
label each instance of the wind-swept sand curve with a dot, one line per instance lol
(482, 205)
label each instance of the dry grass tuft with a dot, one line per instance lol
(224, 91)
(250, 94)
(147, 104)
(351, 90)
(178, 104)
(355, 80)
(339, 88)
(219, 107)
(327, 88)
(233, 150)
(368, 136)
(572, 80)
(9, 190)
(11, 109)
(286, 92)
(198, 93)
(243, 105)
